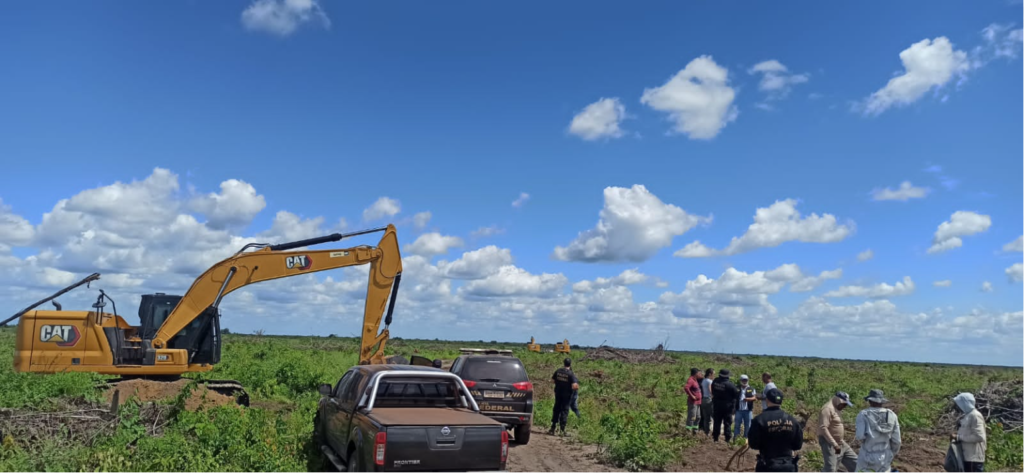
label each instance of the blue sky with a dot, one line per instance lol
(321, 109)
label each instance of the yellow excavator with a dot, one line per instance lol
(562, 347)
(181, 334)
(533, 346)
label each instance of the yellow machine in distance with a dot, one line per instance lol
(562, 347)
(181, 334)
(533, 346)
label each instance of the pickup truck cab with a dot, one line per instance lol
(500, 385)
(405, 418)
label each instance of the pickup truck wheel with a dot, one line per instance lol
(350, 462)
(522, 434)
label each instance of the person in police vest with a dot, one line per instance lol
(776, 435)
(565, 383)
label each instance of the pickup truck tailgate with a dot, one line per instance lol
(443, 447)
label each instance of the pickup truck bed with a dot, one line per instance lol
(396, 416)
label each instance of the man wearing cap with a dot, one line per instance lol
(565, 384)
(878, 431)
(724, 398)
(776, 436)
(745, 406)
(835, 450)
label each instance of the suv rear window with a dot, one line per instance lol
(498, 371)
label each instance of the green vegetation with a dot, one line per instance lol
(635, 413)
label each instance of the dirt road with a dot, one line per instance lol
(549, 453)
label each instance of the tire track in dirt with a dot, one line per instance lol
(550, 453)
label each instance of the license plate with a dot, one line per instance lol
(494, 394)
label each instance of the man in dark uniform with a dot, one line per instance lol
(724, 399)
(565, 383)
(776, 435)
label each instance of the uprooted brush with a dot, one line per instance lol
(604, 352)
(999, 401)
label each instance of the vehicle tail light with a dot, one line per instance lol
(469, 384)
(504, 446)
(523, 386)
(378, 448)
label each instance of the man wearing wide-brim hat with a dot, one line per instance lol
(878, 431)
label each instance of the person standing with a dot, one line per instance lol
(574, 403)
(724, 395)
(706, 408)
(835, 450)
(878, 431)
(776, 436)
(970, 432)
(745, 406)
(766, 378)
(693, 398)
(565, 383)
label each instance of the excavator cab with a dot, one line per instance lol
(562, 347)
(533, 346)
(201, 337)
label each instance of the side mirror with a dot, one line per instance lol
(325, 389)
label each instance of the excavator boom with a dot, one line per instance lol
(273, 262)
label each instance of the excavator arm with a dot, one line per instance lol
(276, 261)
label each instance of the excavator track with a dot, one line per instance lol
(227, 387)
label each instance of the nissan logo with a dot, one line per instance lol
(445, 430)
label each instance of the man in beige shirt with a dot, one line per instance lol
(834, 449)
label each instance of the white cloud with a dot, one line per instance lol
(865, 255)
(698, 99)
(15, 230)
(523, 197)
(774, 225)
(986, 286)
(928, 64)
(628, 277)
(880, 290)
(487, 231)
(433, 244)
(905, 192)
(476, 264)
(235, 206)
(1015, 272)
(421, 220)
(809, 283)
(283, 17)
(634, 224)
(512, 281)
(943, 283)
(1000, 41)
(961, 223)
(290, 227)
(1015, 245)
(776, 79)
(383, 207)
(600, 119)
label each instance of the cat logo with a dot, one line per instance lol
(300, 262)
(62, 335)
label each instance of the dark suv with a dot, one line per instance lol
(499, 384)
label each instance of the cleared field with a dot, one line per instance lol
(633, 413)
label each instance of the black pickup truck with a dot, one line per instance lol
(406, 418)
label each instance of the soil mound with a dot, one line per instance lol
(147, 390)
